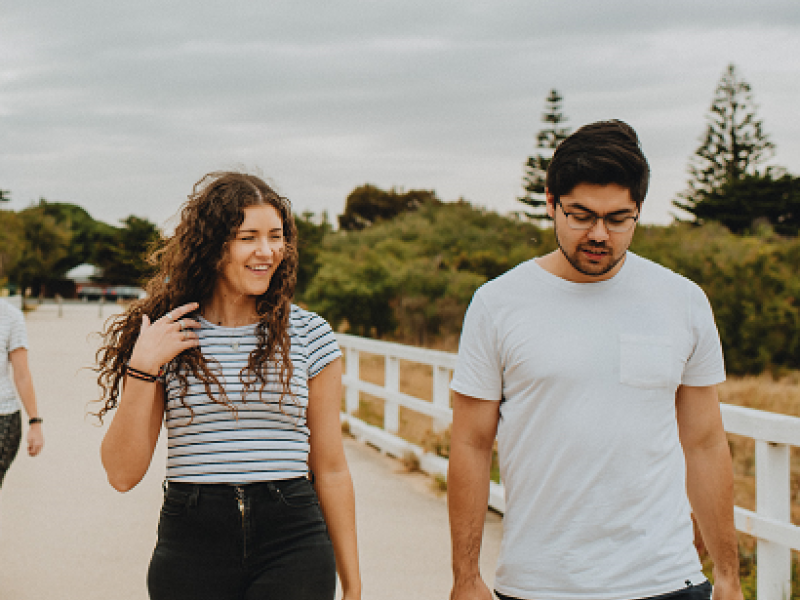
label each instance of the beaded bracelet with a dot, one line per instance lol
(140, 375)
(35, 420)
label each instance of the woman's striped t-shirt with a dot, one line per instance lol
(261, 440)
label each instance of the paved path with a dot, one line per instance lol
(65, 534)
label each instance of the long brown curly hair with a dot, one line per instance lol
(188, 265)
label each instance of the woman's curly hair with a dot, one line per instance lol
(188, 265)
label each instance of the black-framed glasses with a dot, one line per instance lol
(583, 220)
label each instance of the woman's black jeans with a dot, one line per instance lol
(10, 438)
(260, 541)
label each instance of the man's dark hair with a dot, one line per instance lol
(600, 153)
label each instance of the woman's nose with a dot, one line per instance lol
(264, 247)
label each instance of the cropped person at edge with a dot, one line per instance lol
(596, 370)
(16, 390)
(258, 500)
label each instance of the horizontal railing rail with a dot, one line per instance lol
(774, 436)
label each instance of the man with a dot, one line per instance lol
(596, 369)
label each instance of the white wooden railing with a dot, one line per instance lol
(774, 435)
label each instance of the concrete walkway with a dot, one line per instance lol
(65, 534)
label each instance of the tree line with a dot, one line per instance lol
(410, 275)
(41, 243)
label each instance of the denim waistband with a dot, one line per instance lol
(232, 489)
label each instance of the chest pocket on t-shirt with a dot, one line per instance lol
(647, 361)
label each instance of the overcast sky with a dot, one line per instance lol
(121, 106)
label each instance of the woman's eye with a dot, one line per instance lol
(582, 218)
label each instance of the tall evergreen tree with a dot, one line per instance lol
(548, 138)
(733, 145)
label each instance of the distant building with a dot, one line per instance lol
(88, 284)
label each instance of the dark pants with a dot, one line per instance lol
(692, 592)
(250, 542)
(10, 437)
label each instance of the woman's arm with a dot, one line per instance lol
(23, 381)
(131, 438)
(332, 477)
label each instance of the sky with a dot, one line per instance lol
(121, 107)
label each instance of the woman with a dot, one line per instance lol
(14, 351)
(249, 387)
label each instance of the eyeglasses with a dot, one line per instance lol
(583, 220)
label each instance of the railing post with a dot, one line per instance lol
(391, 411)
(441, 394)
(773, 499)
(352, 394)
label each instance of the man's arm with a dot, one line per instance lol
(471, 443)
(709, 482)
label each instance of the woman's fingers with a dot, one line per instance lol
(162, 340)
(176, 313)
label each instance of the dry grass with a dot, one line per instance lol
(415, 380)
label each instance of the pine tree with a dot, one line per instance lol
(733, 144)
(548, 138)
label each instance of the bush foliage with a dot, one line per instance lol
(412, 278)
(751, 282)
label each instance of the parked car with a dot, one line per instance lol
(111, 292)
(89, 292)
(124, 292)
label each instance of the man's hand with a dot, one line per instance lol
(726, 588)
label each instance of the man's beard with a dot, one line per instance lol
(599, 269)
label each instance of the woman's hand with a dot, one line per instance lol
(35, 439)
(161, 341)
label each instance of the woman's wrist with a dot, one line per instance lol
(351, 592)
(35, 421)
(144, 366)
(141, 375)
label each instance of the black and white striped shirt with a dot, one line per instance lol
(261, 440)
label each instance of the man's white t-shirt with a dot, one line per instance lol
(594, 473)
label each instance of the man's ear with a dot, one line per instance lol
(551, 203)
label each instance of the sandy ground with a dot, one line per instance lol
(65, 534)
